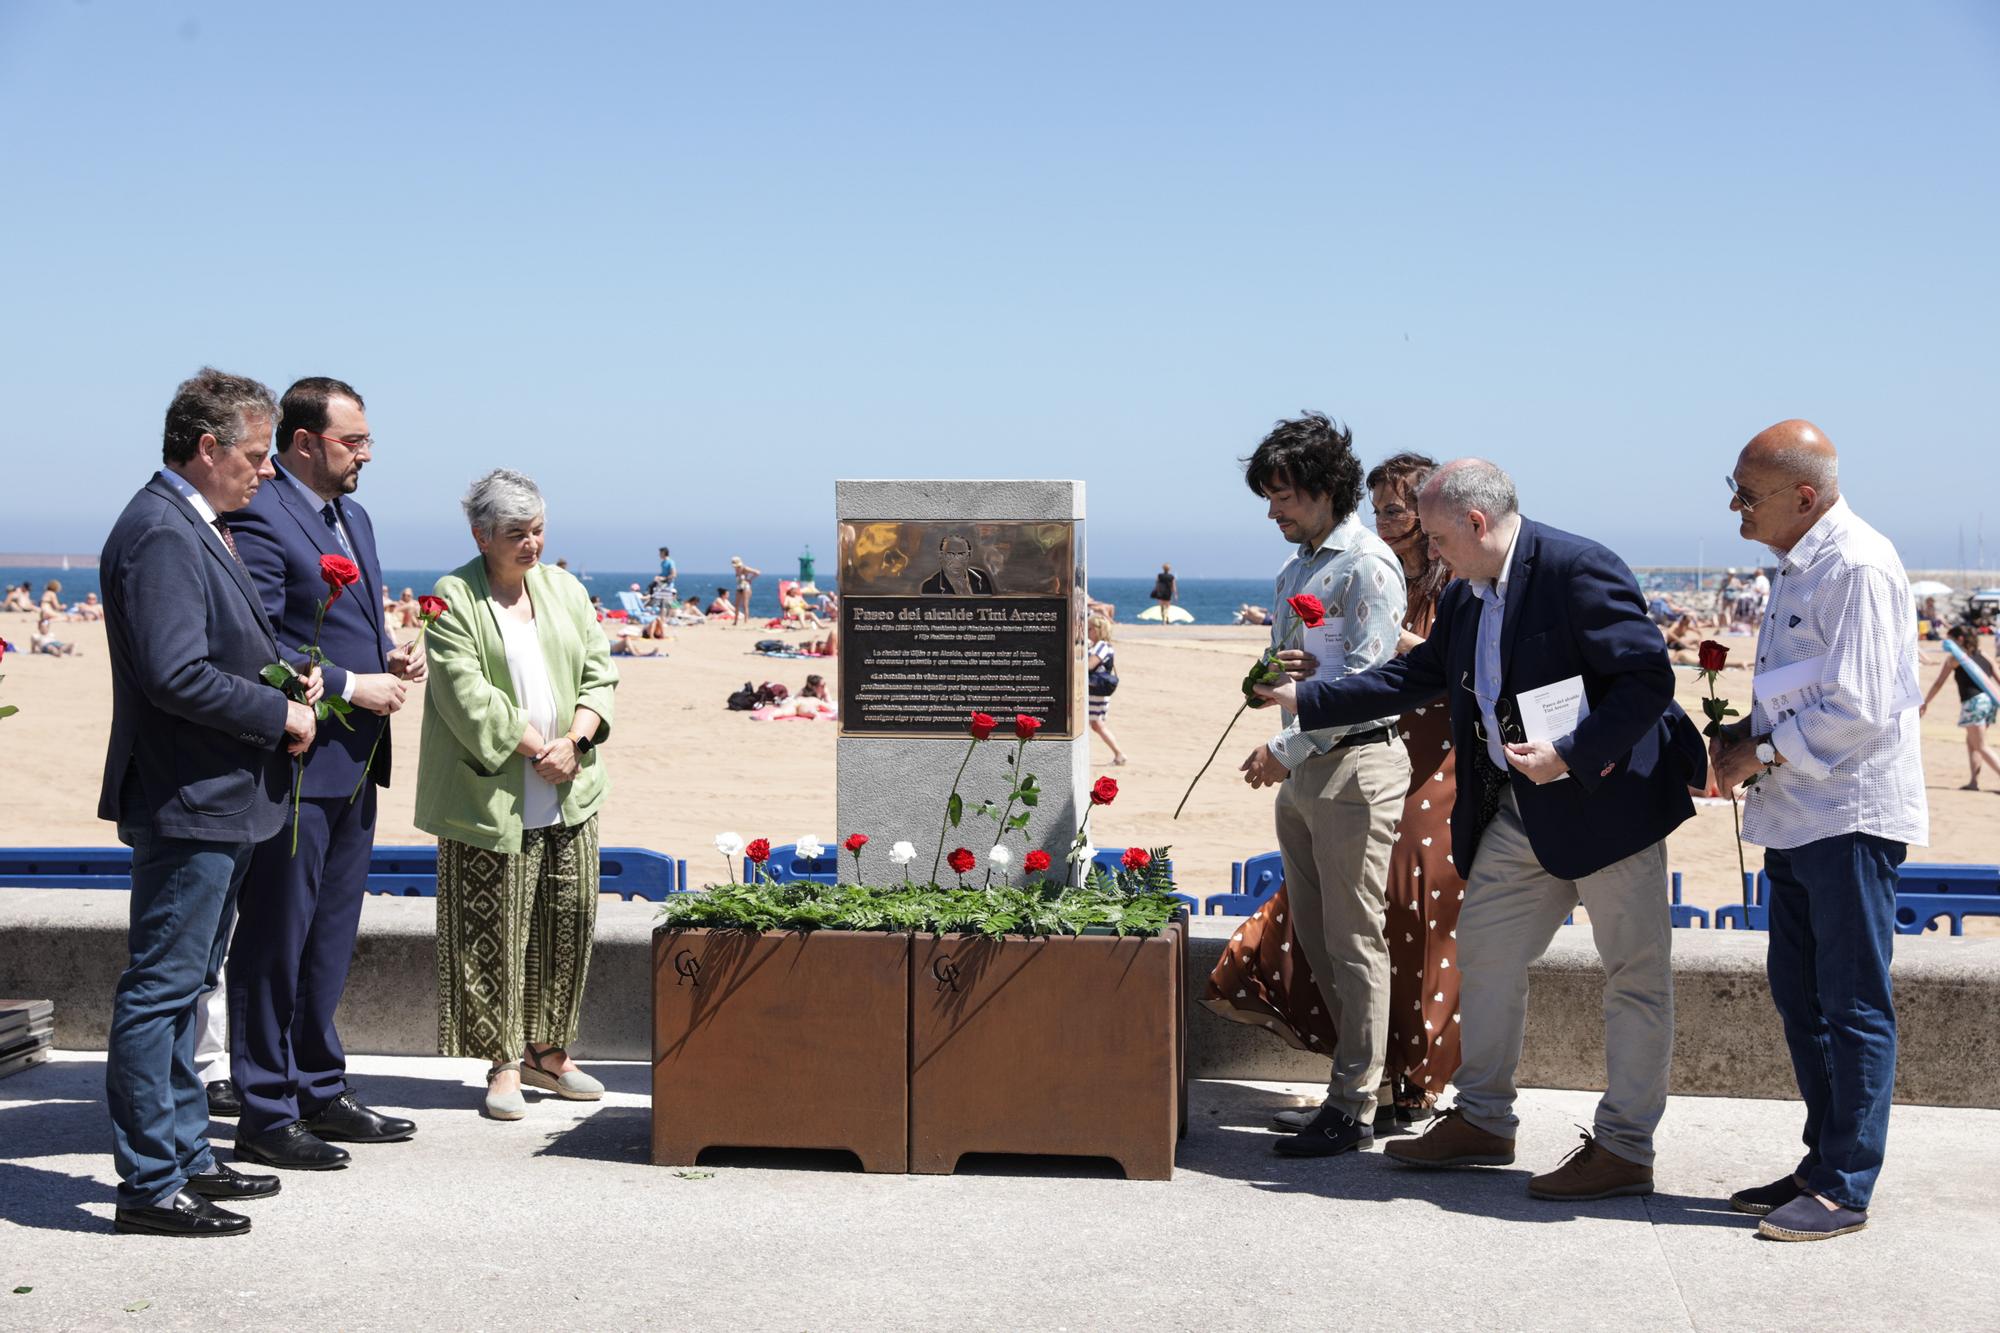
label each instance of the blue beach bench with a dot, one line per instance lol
(1925, 895)
(408, 872)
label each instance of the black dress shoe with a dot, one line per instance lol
(1330, 1132)
(227, 1183)
(348, 1121)
(224, 1103)
(293, 1147)
(185, 1214)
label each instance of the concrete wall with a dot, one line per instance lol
(68, 945)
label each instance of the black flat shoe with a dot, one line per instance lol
(227, 1183)
(224, 1102)
(292, 1147)
(185, 1214)
(1762, 1200)
(346, 1120)
(1330, 1133)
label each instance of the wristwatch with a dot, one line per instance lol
(1767, 754)
(584, 745)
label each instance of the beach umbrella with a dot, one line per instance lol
(1930, 588)
(1175, 615)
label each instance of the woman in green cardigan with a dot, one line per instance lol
(511, 778)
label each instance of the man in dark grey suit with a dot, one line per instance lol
(194, 778)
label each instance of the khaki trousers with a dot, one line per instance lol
(1337, 816)
(1512, 908)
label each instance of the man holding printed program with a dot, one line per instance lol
(1832, 743)
(1575, 766)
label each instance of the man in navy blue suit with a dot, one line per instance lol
(1575, 763)
(194, 778)
(299, 910)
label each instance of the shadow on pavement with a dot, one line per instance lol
(53, 1200)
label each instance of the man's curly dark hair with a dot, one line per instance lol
(1310, 453)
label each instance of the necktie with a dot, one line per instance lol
(227, 540)
(332, 518)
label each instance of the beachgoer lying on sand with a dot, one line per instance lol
(1247, 614)
(624, 638)
(812, 700)
(87, 609)
(20, 599)
(721, 606)
(44, 642)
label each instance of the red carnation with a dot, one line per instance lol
(1137, 858)
(337, 572)
(1307, 608)
(961, 860)
(759, 851)
(431, 608)
(1713, 655)
(982, 726)
(1025, 727)
(1036, 862)
(855, 842)
(1104, 791)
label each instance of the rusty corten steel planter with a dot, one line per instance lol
(1072, 1045)
(768, 1040)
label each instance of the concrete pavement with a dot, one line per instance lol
(558, 1221)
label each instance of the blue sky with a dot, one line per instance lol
(687, 265)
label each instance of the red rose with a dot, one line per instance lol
(759, 851)
(961, 861)
(1036, 862)
(855, 842)
(1713, 655)
(1307, 608)
(1137, 858)
(339, 573)
(1025, 727)
(431, 608)
(982, 726)
(1104, 791)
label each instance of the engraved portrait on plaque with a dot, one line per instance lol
(941, 619)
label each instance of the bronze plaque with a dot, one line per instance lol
(939, 620)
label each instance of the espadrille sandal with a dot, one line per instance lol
(575, 1085)
(504, 1105)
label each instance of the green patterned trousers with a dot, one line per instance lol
(513, 941)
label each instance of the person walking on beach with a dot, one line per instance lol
(194, 779)
(1165, 589)
(1832, 740)
(1340, 788)
(745, 576)
(301, 904)
(1975, 705)
(1539, 617)
(516, 712)
(1103, 679)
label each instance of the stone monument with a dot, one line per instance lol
(956, 597)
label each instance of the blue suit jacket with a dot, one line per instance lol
(1573, 609)
(281, 540)
(193, 728)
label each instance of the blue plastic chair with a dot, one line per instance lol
(1926, 894)
(1251, 883)
(1111, 860)
(1683, 914)
(1753, 913)
(636, 607)
(786, 866)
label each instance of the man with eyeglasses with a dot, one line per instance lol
(1831, 741)
(300, 909)
(1580, 816)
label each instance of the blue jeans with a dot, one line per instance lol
(183, 898)
(1833, 921)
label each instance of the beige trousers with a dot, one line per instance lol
(1337, 816)
(1512, 908)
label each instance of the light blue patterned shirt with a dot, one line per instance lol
(1359, 580)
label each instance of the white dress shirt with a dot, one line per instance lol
(1853, 761)
(1486, 673)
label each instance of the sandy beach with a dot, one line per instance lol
(684, 768)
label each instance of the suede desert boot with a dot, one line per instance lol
(1453, 1141)
(1592, 1171)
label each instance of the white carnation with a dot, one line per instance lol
(729, 844)
(1001, 857)
(902, 853)
(809, 849)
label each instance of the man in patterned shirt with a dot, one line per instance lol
(1340, 789)
(1833, 727)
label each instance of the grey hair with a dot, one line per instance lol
(1811, 467)
(502, 496)
(1474, 483)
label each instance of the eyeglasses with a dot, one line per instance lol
(1511, 732)
(1742, 498)
(365, 442)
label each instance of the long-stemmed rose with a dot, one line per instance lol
(759, 851)
(1023, 788)
(1711, 657)
(1102, 792)
(1307, 613)
(961, 860)
(338, 573)
(855, 842)
(980, 727)
(429, 611)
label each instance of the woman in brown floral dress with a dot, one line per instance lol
(1262, 980)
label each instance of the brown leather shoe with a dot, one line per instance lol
(1592, 1171)
(1452, 1141)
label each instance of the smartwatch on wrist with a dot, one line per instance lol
(584, 745)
